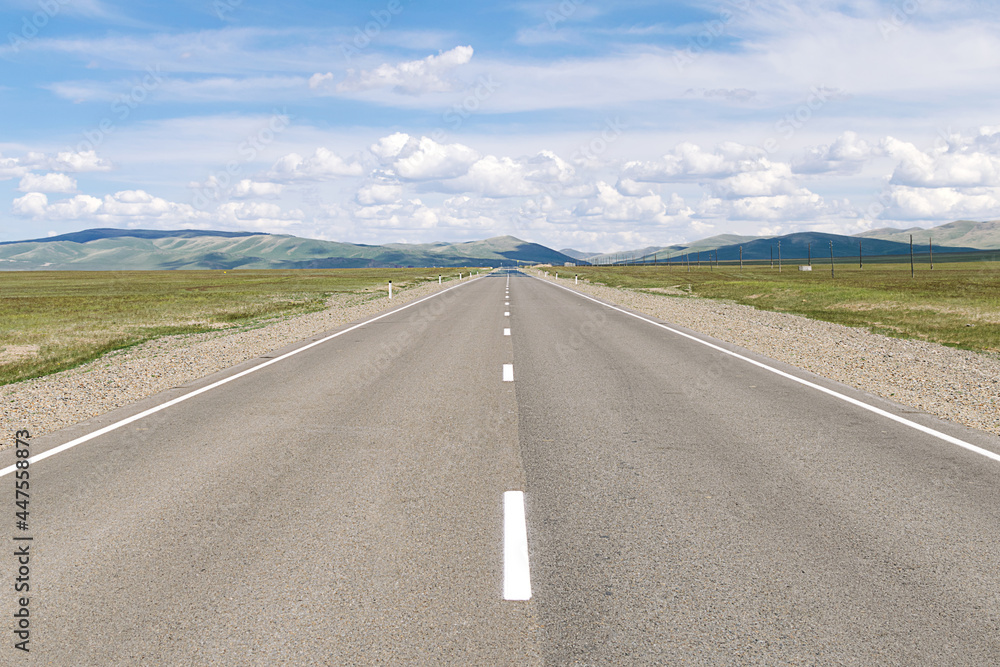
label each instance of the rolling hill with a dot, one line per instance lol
(121, 249)
(982, 235)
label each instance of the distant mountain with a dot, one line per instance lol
(576, 254)
(710, 243)
(800, 245)
(124, 249)
(982, 235)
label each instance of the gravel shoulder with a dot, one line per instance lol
(47, 404)
(956, 385)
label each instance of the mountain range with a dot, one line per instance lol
(959, 236)
(143, 249)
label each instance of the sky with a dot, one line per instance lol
(584, 124)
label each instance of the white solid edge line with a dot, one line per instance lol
(124, 422)
(853, 401)
(508, 372)
(516, 573)
(506, 332)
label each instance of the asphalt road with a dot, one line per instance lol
(345, 505)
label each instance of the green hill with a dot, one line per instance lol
(120, 250)
(981, 235)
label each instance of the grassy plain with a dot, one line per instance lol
(53, 320)
(956, 304)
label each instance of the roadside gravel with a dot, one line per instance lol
(120, 378)
(956, 385)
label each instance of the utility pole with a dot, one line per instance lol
(831, 260)
(860, 262)
(809, 249)
(932, 252)
(772, 256)
(779, 256)
(911, 255)
(741, 259)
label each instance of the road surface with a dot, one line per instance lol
(349, 504)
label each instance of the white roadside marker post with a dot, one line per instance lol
(576, 279)
(439, 279)
(390, 289)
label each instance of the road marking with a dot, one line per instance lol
(508, 372)
(853, 401)
(128, 420)
(506, 303)
(516, 573)
(507, 314)
(506, 332)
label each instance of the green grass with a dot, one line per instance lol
(956, 304)
(54, 320)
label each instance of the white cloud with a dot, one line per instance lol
(323, 164)
(379, 193)
(425, 159)
(493, 177)
(249, 188)
(415, 77)
(847, 155)
(262, 215)
(31, 205)
(690, 162)
(11, 167)
(960, 163)
(939, 204)
(611, 205)
(318, 80)
(388, 148)
(53, 182)
(68, 161)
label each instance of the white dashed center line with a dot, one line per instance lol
(508, 372)
(507, 314)
(506, 332)
(516, 574)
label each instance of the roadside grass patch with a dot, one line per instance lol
(54, 320)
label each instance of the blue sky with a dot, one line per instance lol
(585, 124)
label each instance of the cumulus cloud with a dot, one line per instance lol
(379, 193)
(414, 77)
(53, 182)
(250, 188)
(425, 159)
(847, 155)
(120, 208)
(610, 204)
(318, 80)
(11, 167)
(68, 161)
(961, 162)
(323, 164)
(493, 176)
(690, 162)
(262, 215)
(910, 203)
